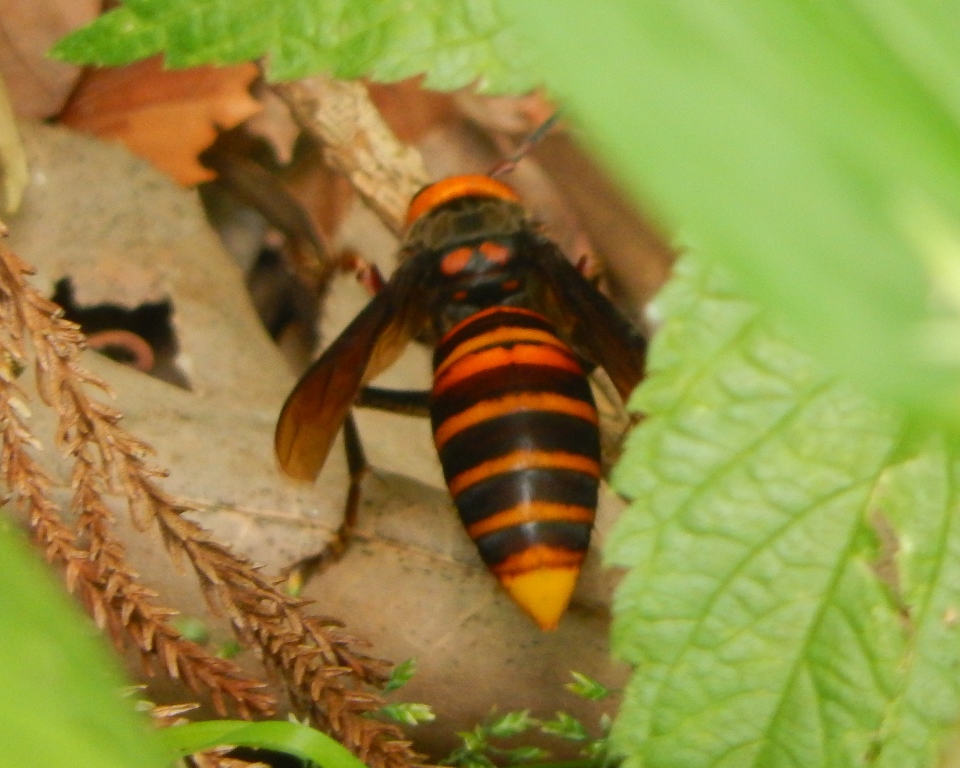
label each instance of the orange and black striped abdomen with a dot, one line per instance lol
(516, 428)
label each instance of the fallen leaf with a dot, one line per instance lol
(39, 86)
(514, 115)
(274, 124)
(166, 116)
(412, 111)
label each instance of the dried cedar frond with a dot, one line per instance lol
(326, 677)
(94, 564)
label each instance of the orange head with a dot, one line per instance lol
(435, 195)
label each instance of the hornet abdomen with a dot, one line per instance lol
(516, 429)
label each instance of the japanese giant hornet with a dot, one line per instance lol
(516, 328)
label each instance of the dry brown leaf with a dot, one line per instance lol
(274, 124)
(412, 111)
(38, 85)
(357, 143)
(166, 116)
(514, 115)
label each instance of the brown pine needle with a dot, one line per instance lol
(96, 569)
(327, 678)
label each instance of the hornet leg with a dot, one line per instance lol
(303, 570)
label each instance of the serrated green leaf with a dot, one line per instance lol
(60, 703)
(762, 634)
(117, 37)
(454, 43)
(511, 724)
(811, 145)
(921, 501)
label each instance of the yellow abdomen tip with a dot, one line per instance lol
(544, 593)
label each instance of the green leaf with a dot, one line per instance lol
(293, 738)
(565, 727)
(811, 145)
(117, 37)
(229, 649)
(753, 612)
(525, 755)
(586, 687)
(596, 749)
(192, 629)
(400, 675)
(466, 757)
(511, 724)
(453, 42)
(473, 760)
(61, 704)
(407, 713)
(919, 506)
(475, 740)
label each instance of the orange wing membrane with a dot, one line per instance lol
(315, 410)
